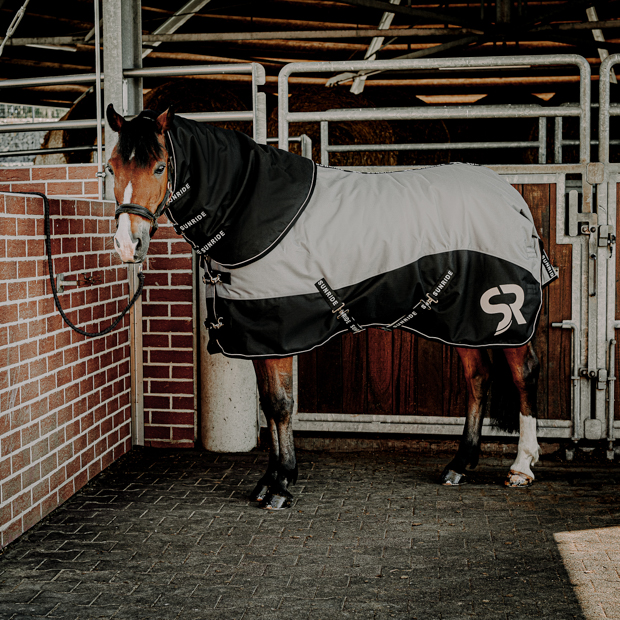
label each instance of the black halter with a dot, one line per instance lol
(129, 207)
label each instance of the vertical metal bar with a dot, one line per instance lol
(324, 143)
(542, 140)
(603, 112)
(259, 105)
(306, 146)
(100, 173)
(283, 110)
(584, 103)
(558, 140)
(195, 342)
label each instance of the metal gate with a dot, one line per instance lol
(399, 383)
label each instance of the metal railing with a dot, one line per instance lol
(606, 110)
(582, 111)
(540, 144)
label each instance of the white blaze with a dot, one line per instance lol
(122, 239)
(128, 193)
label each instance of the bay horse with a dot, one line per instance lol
(159, 165)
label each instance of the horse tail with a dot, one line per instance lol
(504, 400)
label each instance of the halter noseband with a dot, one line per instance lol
(129, 207)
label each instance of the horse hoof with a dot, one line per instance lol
(277, 502)
(259, 493)
(517, 480)
(451, 478)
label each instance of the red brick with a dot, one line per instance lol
(91, 188)
(28, 187)
(180, 341)
(11, 444)
(34, 205)
(172, 418)
(12, 532)
(27, 310)
(171, 356)
(8, 226)
(18, 332)
(156, 432)
(8, 270)
(156, 402)
(14, 174)
(49, 172)
(26, 269)
(64, 189)
(40, 449)
(38, 327)
(180, 433)
(159, 263)
(11, 488)
(182, 402)
(182, 372)
(40, 490)
(10, 313)
(49, 504)
(171, 387)
(84, 171)
(32, 475)
(170, 325)
(66, 491)
(15, 205)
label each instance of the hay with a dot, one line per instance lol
(412, 131)
(311, 98)
(195, 95)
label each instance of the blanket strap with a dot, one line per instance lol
(426, 303)
(337, 306)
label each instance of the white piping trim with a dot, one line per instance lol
(283, 233)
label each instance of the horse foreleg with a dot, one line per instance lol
(275, 386)
(525, 369)
(478, 375)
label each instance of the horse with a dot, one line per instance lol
(217, 197)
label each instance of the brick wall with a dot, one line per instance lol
(167, 310)
(64, 399)
(70, 180)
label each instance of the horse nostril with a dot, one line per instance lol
(118, 245)
(138, 246)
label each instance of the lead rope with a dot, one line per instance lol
(48, 247)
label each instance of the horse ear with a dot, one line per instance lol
(115, 120)
(164, 120)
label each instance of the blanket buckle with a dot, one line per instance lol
(217, 325)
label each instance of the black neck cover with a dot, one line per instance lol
(233, 199)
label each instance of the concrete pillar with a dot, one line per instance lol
(229, 404)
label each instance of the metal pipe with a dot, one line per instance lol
(575, 353)
(49, 126)
(604, 107)
(65, 149)
(80, 78)
(99, 119)
(611, 378)
(195, 70)
(431, 112)
(439, 146)
(542, 140)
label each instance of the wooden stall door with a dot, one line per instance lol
(399, 373)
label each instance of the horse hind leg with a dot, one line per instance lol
(275, 385)
(525, 369)
(477, 368)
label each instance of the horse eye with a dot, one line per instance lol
(160, 169)
(109, 169)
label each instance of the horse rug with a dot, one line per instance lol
(448, 252)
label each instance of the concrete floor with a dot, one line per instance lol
(170, 534)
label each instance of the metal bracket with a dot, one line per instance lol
(62, 283)
(601, 384)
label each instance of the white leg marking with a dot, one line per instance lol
(122, 239)
(128, 193)
(528, 452)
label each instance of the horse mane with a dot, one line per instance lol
(138, 137)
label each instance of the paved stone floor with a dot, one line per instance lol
(170, 534)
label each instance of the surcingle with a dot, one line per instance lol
(307, 252)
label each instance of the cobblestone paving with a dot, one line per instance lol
(169, 534)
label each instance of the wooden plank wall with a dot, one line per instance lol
(398, 373)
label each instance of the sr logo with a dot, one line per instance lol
(508, 310)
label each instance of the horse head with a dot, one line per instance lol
(139, 165)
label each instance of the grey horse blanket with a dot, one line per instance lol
(449, 252)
